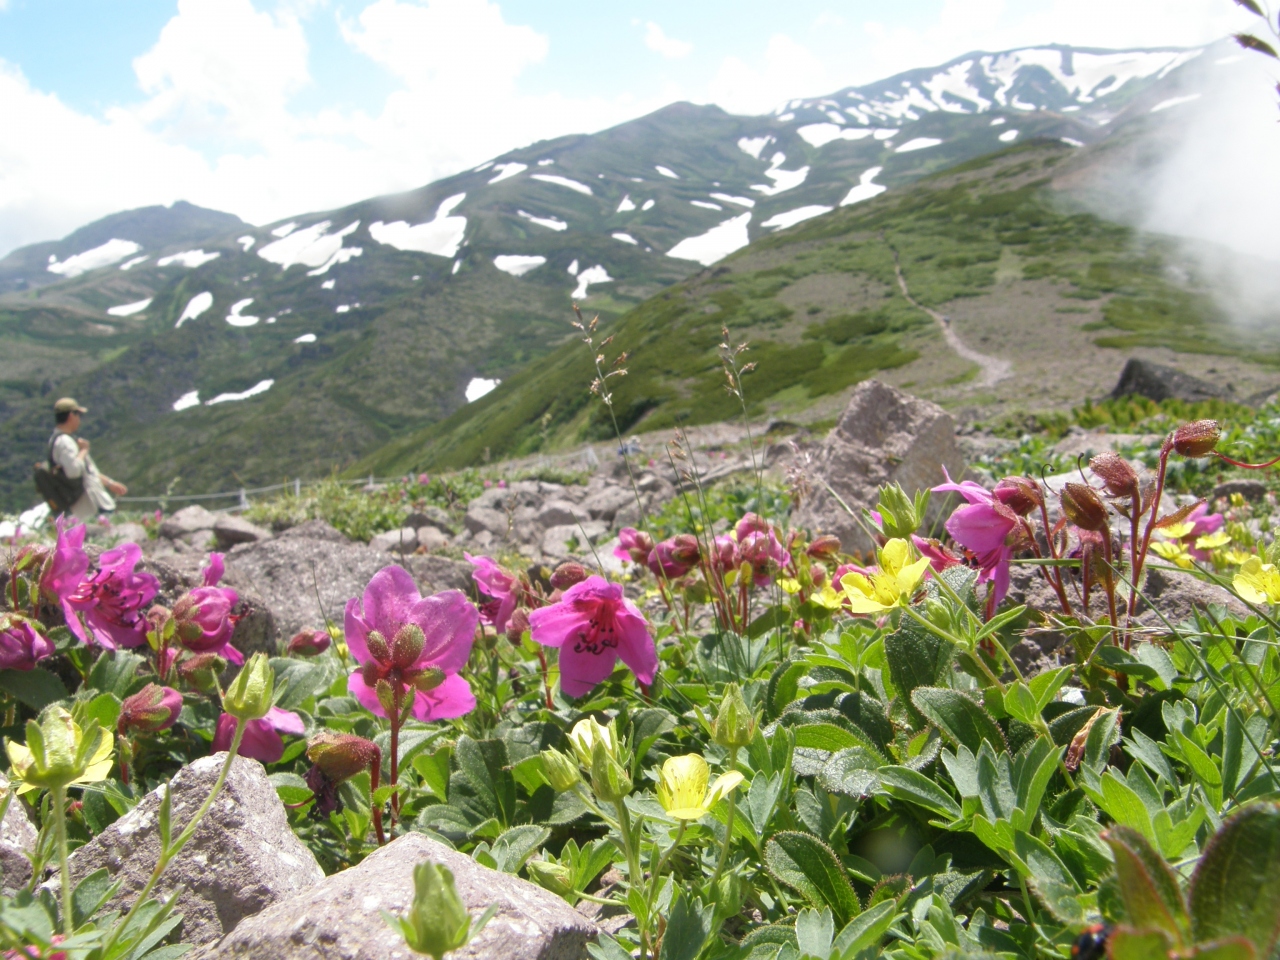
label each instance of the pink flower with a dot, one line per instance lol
(21, 644)
(502, 589)
(675, 557)
(633, 545)
(724, 554)
(940, 558)
(309, 643)
(393, 657)
(593, 625)
(65, 568)
(1202, 523)
(502, 484)
(214, 570)
(205, 623)
(261, 739)
(424, 479)
(762, 549)
(113, 601)
(150, 710)
(749, 524)
(983, 527)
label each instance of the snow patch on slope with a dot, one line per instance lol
(113, 251)
(440, 236)
(789, 218)
(195, 306)
(313, 246)
(478, 387)
(262, 386)
(551, 223)
(587, 277)
(717, 243)
(865, 189)
(516, 264)
(129, 309)
(508, 170)
(238, 319)
(563, 182)
(188, 258)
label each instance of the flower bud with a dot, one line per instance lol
(309, 643)
(150, 710)
(202, 671)
(249, 696)
(567, 574)
(58, 752)
(517, 625)
(1199, 438)
(586, 734)
(1084, 507)
(1019, 494)
(734, 725)
(22, 645)
(437, 921)
(379, 649)
(406, 646)
(428, 679)
(1120, 479)
(636, 544)
(562, 773)
(340, 756)
(675, 557)
(555, 877)
(825, 547)
(609, 779)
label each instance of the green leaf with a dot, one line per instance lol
(90, 894)
(960, 719)
(1202, 767)
(688, 927)
(607, 948)
(866, 930)
(517, 845)
(784, 684)
(1045, 686)
(1235, 890)
(851, 771)
(433, 768)
(105, 708)
(1020, 703)
(115, 671)
(914, 787)
(999, 620)
(305, 679)
(1042, 863)
(290, 788)
(917, 658)
(1127, 944)
(1148, 887)
(828, 736)
(807, 865)
(1232, 948)
(33, 688)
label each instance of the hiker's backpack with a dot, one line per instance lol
(56, 489)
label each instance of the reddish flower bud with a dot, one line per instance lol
(1120, 479)
(1019, 494)
(675, 557)
(750, 523)
(825, 547)
(1084, 507)
(406, 646)
(202, 670)
(517, 625)
(309, 643)
(567, 574)
(150, 710)
(340, 756)
(1198, 438)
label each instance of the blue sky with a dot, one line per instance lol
(272, 107)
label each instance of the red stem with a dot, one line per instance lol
(395, 750)
(375, 771)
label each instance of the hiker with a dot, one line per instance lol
(70, 481)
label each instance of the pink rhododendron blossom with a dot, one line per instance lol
(22, 646)
(380, 637)
(501, 587)
(213, 570)
(674, 557)
(940, 558)
(633, 545)
(593, 625)
(984, 527)
(65, 568)
(724, 554)
(750, 523)
(205, 623)
(262, 739)
(765, 553)
(113, 601)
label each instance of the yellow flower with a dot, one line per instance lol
(789, 585)
(586, 734)
(682, 787)
(826, 597)
(1174, 552)
(56, 754)
(1213, 541)
(1235, 557)
(893, 585)
(1176, 531)
(1258, 582)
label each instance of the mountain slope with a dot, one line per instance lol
(259, 353)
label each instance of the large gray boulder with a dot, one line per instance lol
(193, 524)
(17, 839)
(310, 572)
(341, 917)
(404, 540)
(883, 436)
(242, 858)
(230, 530)
(1159, 382)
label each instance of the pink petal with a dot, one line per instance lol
(979, 527)
(261, 742)
(975, 493)
(285, 721)
(552, 626)
(214, 571)
(355, 630)
(580, 670)
(364, 694)
(453, 698)
(390, 595)
(635, 645)
(449, 621)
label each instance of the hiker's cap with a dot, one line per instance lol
(67, 405)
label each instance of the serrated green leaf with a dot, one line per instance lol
(913, 787)
(807, 865)
(1127, 944)
(1148, 887)
(1235, 890)
(960, 719)
(851, 772)
(33, 688)
(917, 658)
(1020, 703)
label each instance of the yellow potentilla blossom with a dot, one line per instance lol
(1235, 557)
(682, 787)
(893, 585)
(1175, 531)
(1213, 541)
(1174, 552)
(789, 585)
(1258, 582)
(55, 754)
(826, 597)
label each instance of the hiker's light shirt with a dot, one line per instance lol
(95, 498)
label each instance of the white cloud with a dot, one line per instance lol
(660, 43)
(787, 66)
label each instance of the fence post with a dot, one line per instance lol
(297, 487)
(244, 501)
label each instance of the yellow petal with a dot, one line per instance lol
(894, 556)
(862, 604)
(789, 585)
(1213, 541)
(1251, 580)
(827, 597)
(682, 785)
(100, 764)
(725, 783)
(911, 576)
(1176, 531)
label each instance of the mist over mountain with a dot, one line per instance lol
(225, 353)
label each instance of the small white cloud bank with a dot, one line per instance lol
(671, 48)
(479, 387)
(717, 243)
(113, 251)
(195, 306)
(517, 264)
(262, 386)
(129, 309)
